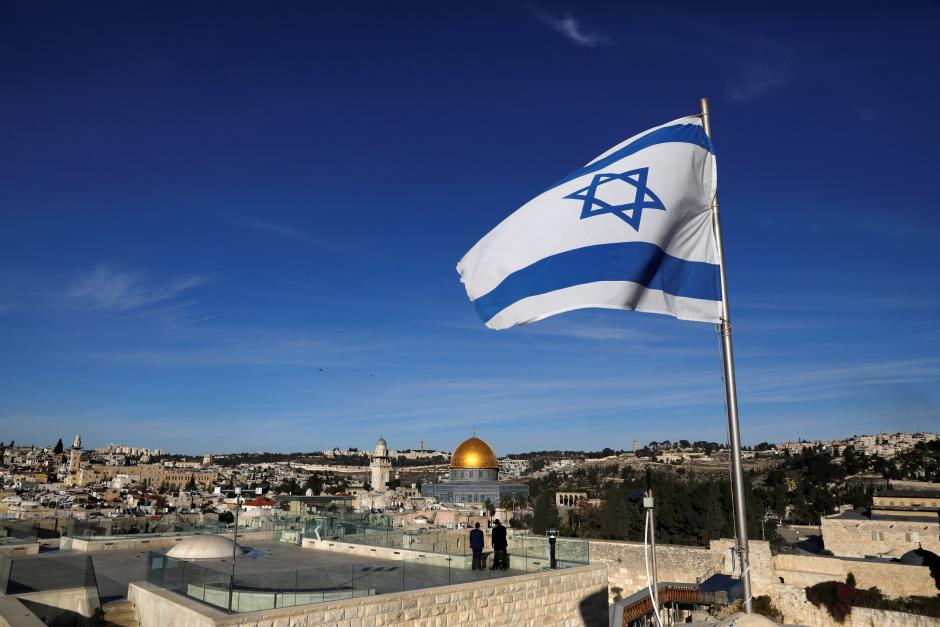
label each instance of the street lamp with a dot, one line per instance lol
(552, 538)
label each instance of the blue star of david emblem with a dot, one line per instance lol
(629, 212)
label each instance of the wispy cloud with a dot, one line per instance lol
(239, 347)
(569, 27)
(275, 229)
(836, 301)
(764, 68)
(598, 331)
(108, 289)
(753, 65)
(284, 232)
(797, 385)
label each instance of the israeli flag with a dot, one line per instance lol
(630, 230)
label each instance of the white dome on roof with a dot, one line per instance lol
(204, 548)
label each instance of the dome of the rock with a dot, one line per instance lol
(474, 453)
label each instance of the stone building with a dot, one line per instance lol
(155, 475)
(915, 499)
(569, 499)
(381, 466)
(881, 531)
(473, 477)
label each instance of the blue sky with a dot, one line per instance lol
(234, 226)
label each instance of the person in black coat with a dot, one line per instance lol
(499, 547)
(476, 544)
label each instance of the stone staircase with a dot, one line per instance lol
(120, 614)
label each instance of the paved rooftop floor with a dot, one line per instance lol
(288, 566)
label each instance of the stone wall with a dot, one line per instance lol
(796, 609)
(563, 598)
(892, 579)
(761, 563)
(69, 606)
(626, 571)
(31, 548)
(14, 614)
(378, 552)
(627, 574)
(857, 538)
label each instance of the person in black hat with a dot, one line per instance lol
(499, 547)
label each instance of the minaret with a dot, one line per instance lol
(75, 455)
(381, 466)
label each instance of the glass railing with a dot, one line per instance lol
(18, 532)
(26, 574)
(129, 527)
(255, 590)
(271, 589)
(527, 552)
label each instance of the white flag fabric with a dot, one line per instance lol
(630, 230)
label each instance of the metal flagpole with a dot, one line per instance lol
(731, 394)
(648, 503)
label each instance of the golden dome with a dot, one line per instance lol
(474, 453)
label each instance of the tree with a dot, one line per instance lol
(290, 487)
(545, 515)
(616, 514)
(315, 483)
(191, 484)
(488, 504)
(505, 501)
(59, 448)
(521, 501)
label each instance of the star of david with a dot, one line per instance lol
(629, 212)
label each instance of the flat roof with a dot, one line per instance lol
(911, 494)
(866, 516)
(275, 563)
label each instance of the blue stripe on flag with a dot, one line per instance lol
(684, 133)
(637, 262)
